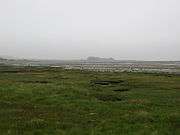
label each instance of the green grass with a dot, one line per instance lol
(53, 101)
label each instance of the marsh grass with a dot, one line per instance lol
(43, 100)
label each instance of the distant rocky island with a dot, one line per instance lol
(99, 59)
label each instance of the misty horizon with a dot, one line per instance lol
(68, 30)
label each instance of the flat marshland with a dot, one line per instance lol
(54, 101)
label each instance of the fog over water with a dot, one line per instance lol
(75, 29)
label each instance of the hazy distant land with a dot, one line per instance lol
(101, 64)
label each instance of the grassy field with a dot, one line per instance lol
(53, 101)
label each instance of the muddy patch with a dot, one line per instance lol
(122, 90)
(41, 82)
(108, 97)
(9, 71)
(106, 82)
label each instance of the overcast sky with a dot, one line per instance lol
(73, 29)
